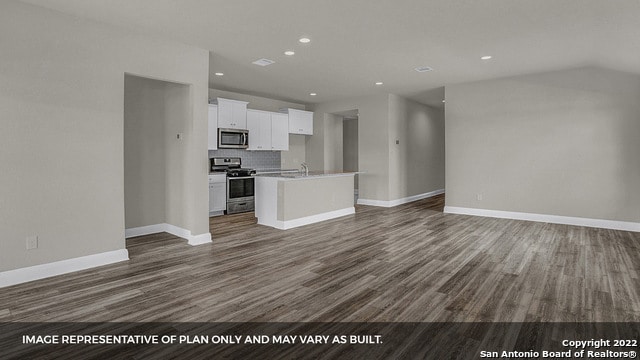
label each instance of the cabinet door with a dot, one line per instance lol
(279, 131)
(219, 196)
(211, 197)
(213, 127)
(259, 126)
(239, 116)
(253, 125)
(225, 114)
(306, 122)
(265, 131)
(232, 114)
(300, 122)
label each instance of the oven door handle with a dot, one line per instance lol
(239, 177)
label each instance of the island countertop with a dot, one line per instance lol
(297, 175)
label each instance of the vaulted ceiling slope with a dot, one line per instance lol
(355, 43)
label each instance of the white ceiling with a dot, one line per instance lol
(358, 42)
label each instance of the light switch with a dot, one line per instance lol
(32, 242)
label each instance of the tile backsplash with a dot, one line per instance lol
(251, 159)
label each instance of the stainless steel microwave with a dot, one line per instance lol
(233, 139)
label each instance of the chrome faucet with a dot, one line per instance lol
(304, 168)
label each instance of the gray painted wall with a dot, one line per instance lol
(61, 114)
(559, 143)
(297, 153)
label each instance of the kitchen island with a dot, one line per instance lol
(289, 200)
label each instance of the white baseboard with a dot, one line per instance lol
(22, 275)
(392, 203)
(199, 239)
(554, 219)
(171, 229)
(144, 230)
(290, 224)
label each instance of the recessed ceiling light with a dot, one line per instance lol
(289, 53)
(442, 100)
(304, 40)
(313, 94)
(379, 83)
(219, 74)
(486, 57)
(263, 62)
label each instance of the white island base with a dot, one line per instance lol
(285, 201)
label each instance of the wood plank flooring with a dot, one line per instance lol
(407, 263)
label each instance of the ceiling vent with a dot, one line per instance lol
(423, 69)
(263, 62)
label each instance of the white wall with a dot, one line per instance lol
(61, 114)
(560, 143)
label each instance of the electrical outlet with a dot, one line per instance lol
(32, 242)
(479, 197)
(179, 136)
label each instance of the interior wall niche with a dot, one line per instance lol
(155, 113)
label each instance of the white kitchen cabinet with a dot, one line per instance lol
(279, 131)
(259, 126)
(213, 127)
(300, 121)
(267, 130)
(232, 114)
(217, 194)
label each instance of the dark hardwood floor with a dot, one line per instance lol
(406, 263)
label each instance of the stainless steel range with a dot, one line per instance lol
(240, 183)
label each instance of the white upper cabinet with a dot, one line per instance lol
(259, 126)
(279, 131)
(300, 121)
(213, 127)
(267, 130)
(232, 114)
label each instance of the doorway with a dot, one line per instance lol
(342, 128)
(350, 149)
